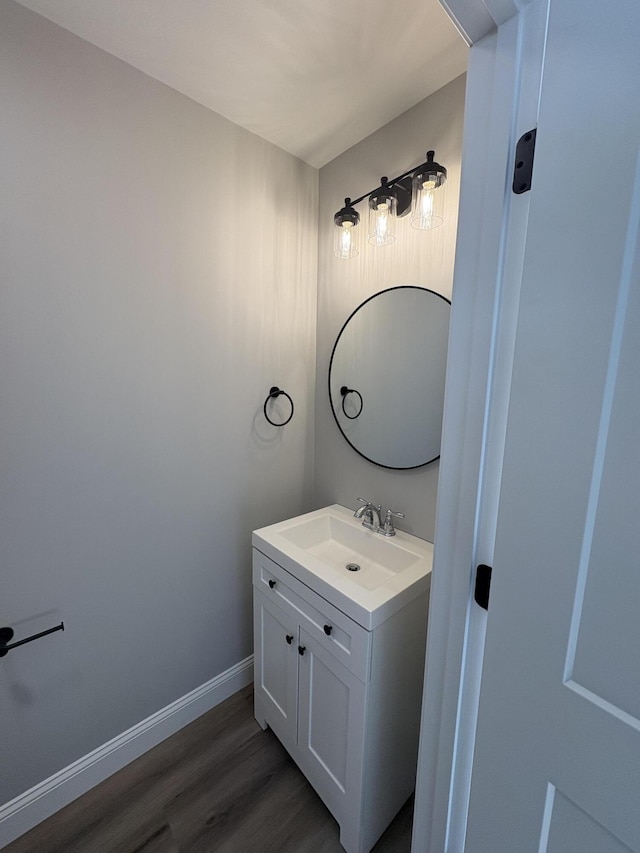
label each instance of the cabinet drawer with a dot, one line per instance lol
(347, 641)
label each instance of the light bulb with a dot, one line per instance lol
(345, 239)
(428, 196)
(427, 203)
(382, 222)
(346, 231)
(382, 214)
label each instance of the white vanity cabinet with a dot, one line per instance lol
(343, 700)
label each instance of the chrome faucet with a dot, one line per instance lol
(372, 520)
(371, 514)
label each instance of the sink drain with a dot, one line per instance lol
(352, 567)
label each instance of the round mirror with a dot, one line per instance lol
(386, 376)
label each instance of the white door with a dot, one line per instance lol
(557, 758)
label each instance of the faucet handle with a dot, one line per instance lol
(363, 501)
(389, 529)
(391, 514)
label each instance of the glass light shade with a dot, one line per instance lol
(382, 218)
(345, 239)
(427, 203)
(345, 243)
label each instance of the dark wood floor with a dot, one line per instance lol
(220, 785)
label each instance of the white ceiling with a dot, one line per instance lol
(312, 76)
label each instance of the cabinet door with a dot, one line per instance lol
(276, 668)
(331, 729)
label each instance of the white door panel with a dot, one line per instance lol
(331, 729)
(573, 831)
(606, 629)
(557, 759)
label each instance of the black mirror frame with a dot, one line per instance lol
(333, 411)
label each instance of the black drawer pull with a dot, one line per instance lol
(272, 584)
(328, 629)
(289, 638)
(301, 650)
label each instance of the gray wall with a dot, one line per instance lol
(424, 259)
(157, 276)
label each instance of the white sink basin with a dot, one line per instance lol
(339, 543)
(322, 548)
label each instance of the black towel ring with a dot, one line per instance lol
(345, 391)
(273, 394)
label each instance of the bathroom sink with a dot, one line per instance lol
(339, 542)
(367, 575)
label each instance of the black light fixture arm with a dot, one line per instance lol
(390, 183)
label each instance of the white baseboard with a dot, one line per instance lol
(49, 796)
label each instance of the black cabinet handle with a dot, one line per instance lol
(272, 584)
(289, 638)
(301, 650)
(328, 629)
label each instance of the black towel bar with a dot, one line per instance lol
(6, 634)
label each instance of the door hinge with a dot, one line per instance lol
(483, 585)
(523, 166)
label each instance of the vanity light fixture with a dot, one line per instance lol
(420, 189)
